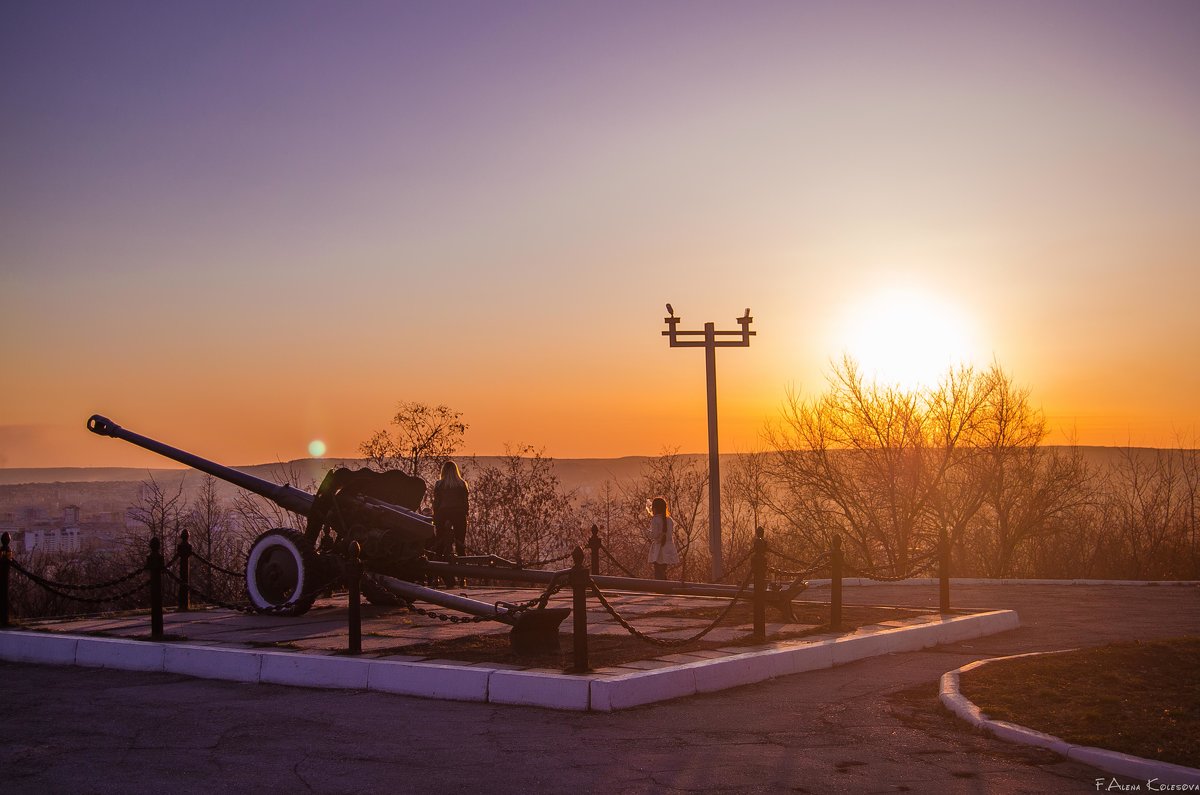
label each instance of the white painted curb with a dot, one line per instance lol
(1108, 761)
(431, 680)
(211, 662)
(313, 670)
(864, 582)
(119, 654)
(38, 647)
(554, 691)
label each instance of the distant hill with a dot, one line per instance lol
(572, 472)
(9, 477)
(111, 489)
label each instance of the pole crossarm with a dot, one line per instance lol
(707, 338)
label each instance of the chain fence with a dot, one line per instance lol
(64, 590)
(822, 561)
(916, 567)
(216, 566)
(609, 556)
(535, 564)
(511, 608)
(669, 642)
(49, 584)
(126, 586)
(246, 607)
(731, 570)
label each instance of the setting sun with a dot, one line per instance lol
(907, 338)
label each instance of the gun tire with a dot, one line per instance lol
(280, 572)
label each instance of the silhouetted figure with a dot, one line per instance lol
(450, 499)
(661, 535)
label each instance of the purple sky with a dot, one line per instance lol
(487, 204)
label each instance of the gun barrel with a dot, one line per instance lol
(283, 495)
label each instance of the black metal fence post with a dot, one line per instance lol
(759, 565)
(595, 543)
(944, 572)
(5, 563)
(353, 586)
(154, 565)
(835, 584)
(580, 581)
(185, 553)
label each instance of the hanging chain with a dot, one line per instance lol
(217, 567)
(52, 587)
(612, 611)
(742, 562)
(790, 559)
(821, 562)
(48, 584)
(616, 562)
(536, 563)
(915, 568)
(248, 609)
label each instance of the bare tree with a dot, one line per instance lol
(422, 437)
(209, 524)
(892, 470)
(1189, 452)
(746, 498)
(253, 515)
(1005, 489)
(518, 509)
(160, 513)
(606, 510)
(1151, 505)
(856, 460)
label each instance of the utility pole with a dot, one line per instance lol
(710, 340)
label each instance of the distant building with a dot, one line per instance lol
(32, 530)
(52, 540)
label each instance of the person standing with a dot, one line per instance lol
(451, 497)
(661, 535)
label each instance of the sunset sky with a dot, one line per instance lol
(240, 227)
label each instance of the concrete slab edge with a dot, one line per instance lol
(1108, 761)
(480, 683)
(864, 582)
(646, 687)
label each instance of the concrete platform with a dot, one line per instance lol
(310, 651)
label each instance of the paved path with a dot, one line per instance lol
(872, 726)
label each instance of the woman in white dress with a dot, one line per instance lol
(661, 535)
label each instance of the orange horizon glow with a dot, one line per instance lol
(666, 426)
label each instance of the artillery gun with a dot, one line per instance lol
(287, 568)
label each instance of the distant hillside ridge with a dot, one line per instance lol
(113, 489)
(572, 472)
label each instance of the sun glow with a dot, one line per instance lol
(907, 338)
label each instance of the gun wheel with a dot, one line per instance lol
(280, 572)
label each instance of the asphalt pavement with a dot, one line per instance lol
(871, 726)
